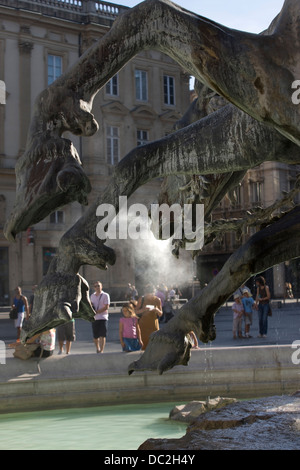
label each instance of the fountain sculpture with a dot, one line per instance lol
(258, 77)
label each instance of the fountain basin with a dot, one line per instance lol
(118, 427)
(94, 379)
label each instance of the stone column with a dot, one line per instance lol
(279, 280)
(25, 48)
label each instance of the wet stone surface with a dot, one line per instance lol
(263, 424)
(191, 411)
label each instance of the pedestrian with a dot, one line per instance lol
(149, 309)
(238, 312)
(39, 345)
(128, 293)
(177, 291)
(168, 312)
(65, 336)
(129, 330)
(288, 291)
(172, 294)
(21, 303)
(263, 297)
(161, 293)
(248, 305)
(135, 294)
(46, 344)
(100, 301)
(241, 289)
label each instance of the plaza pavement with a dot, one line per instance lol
(284, 329)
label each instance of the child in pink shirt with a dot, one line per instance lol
(129, 330)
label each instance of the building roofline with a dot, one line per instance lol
(76, 11)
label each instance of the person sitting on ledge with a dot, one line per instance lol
(40, 345)
(46, 343)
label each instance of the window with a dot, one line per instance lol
(57, 217)
(111, 88)
(141, 86)
(54, 67)
(142, 137)
(112, 145)
(169, 90)
(256, 192)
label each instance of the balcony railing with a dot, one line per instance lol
(108, 9)
(68, 4)
(81, 8)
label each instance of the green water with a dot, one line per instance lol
(98, 428)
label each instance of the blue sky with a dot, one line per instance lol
(253, 16)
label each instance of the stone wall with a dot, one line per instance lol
(87, 380)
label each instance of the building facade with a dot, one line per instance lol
(39, 41)
(261, 187)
